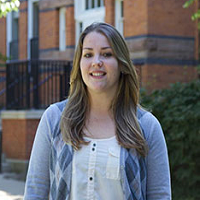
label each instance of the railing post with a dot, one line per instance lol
(64, 80)
(61, 86)
(34, 67)
(67, 79)
(28, 68)
(9, 87)
(7, 91)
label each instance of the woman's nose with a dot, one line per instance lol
(97, 62)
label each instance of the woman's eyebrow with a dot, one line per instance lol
(89, 48)
(106, 48)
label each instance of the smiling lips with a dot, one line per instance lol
(97, 74)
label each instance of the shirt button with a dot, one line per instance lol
(93, 149)
(94, 145)
(91, 178)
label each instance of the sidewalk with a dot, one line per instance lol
(11, 187)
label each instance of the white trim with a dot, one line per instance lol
(21, 114)
(62, 29)
(16, 161)
(30, 25)
(118, 18)
(87, 17)
(9, 32)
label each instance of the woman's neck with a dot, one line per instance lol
(100, 123)
(100, 104)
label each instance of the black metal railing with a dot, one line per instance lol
(34, 48)
(2, 104)
(36, 83)
(2, 88)
(14, 50)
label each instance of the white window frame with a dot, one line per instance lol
(30, 25)
(62, 29)
(95, 4)
(9, 30)
(9, 33)
(119, 20)
(86, 17)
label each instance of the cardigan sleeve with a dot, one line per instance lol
(38, 180)
(158, 172)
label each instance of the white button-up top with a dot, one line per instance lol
(97, 167)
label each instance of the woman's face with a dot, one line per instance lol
(99, 67)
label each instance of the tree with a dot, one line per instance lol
(196, 15)
(8, 6)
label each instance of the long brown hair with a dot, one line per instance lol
(123, 106)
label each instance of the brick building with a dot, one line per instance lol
(162, 39)
(163, 42)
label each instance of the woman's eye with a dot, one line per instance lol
(87, 55)
(107, 54)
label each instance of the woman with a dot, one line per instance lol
(99, 144)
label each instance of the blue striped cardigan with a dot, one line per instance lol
(50, 167)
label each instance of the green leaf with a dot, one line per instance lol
(7, 6)
(188, 3)
(196, 15)
(178, 110)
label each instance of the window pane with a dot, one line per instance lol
(99, 3)
(80, 27)
(86, 4)
(35, 20)
(122, 9)
(15, 26)
(92, 3)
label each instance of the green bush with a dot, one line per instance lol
(178, 110)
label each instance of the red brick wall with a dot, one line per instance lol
(18, 136)
(23, 29)
(161, 76)
(70, 26)
(110, 12)
(3, 36)
(46, 4)
(49, 29)
(170, 18)
(135, 17)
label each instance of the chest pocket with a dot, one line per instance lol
(113, 163)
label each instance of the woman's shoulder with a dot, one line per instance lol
(149, 124)
(52, 115)
(145, 114)
(55, 109)
(60, 105)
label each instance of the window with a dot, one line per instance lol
(33, 29)
(35, 19)
(91, 4)
(34, 42)
(119, 15)
(87, 12)
(62, 29)
(15, 25)
(12, 35)
(80, 27)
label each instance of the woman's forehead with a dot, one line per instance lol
(93, 39)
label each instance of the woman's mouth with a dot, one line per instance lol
(98, 74)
